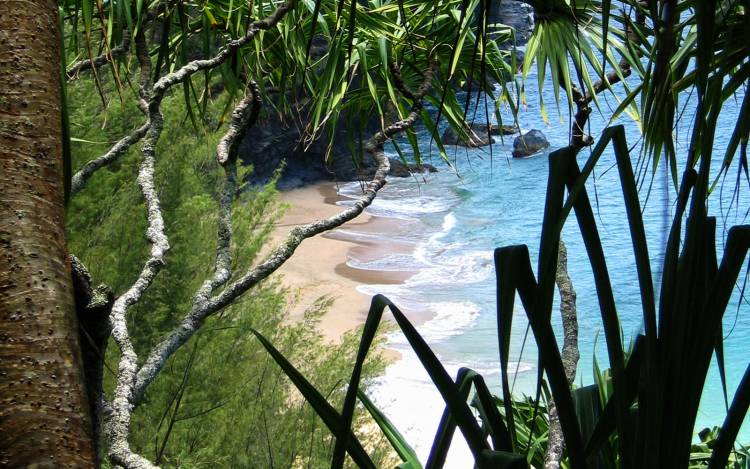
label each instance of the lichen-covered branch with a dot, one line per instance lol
(120, 148)
(119, 425)
(165, 83)
(179, 76)
(144, 62)
(80, 178)
(120, 409)
(244, 116)
(569, 354)
(87, 64)
(204, 308)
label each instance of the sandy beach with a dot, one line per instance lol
(318, 268)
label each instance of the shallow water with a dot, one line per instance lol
(495, 201)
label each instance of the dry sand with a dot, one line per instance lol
(318, 268)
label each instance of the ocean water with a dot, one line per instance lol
(456, 218)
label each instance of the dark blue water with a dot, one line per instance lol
(455, 219)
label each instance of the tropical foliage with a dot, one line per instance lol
(324, 61)
(221, 378)
(644, 415)
(314, 64)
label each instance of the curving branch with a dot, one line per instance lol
(203, 307)
(80, 178)
(160, 88)
(118, 421)
(119, 424)
(120, 148)
(244, 116)
(115, 53)
(150, 98)
(133, 380)
(179, 76)
(144, 62)
(121, 50)
(569, 354)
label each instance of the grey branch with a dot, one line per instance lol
(115, 53)
(120, 148)
(118, 419)
(178, 76)
(165, 83)
(203, 308)
(119, 424)
(569, 354)
(243, 117)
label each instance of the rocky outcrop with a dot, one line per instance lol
(272, 141)
(400, 170)
(529, 143)
(478, 136)
(519, 15)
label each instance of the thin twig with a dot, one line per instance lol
(87, 64)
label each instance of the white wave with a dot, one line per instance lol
(388, 263)
(402, 202)
(354, 235)
(450, 319)
(433, 246)
(409, 399)
(470, 267)
(487, 368)
(449, 222)
(408, 208)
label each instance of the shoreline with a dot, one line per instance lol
(319, 267)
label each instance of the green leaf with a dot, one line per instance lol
(328, 414)
(397, 441)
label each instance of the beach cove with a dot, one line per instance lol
(427, 242)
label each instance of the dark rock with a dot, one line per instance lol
(505, 130)
(475, 138)
(529, 143)
(422, 168)
(478, 136)
(399, 169)
(518, 15)
(272, 141)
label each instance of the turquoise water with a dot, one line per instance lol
(454, 221)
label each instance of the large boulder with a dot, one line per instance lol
(514, 13)
(477, 135)
(529, 143)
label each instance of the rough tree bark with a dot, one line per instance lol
(44, 412)
(570, 354)
(579, 140)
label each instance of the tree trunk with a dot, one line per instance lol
(44, 413)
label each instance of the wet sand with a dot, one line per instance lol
(318, 268)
